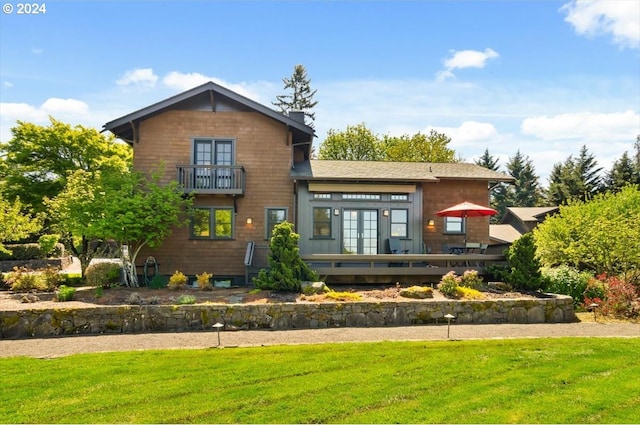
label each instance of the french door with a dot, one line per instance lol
(360, 231)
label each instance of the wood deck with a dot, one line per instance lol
(385, 267)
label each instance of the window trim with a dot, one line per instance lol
(212, 224)
(267, 230)
(329, 221)
(406, 223)
(454, 232)
(213, 140)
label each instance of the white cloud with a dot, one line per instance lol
(620, 18)
(586, 126)
(67, 110)
(180, 82)
(465, 59)
(36, 51)
(468, 133)
(7, 84)
(140, 77)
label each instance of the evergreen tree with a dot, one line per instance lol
(498, 193)
(576, 178)
(623, 172)
(301, 97)
(488, 161)
(526, 191)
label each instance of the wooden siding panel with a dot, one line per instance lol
(261, 148)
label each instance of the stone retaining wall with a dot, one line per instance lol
(163, 318)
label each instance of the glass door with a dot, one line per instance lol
(359, 231)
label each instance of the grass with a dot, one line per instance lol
(567, 380)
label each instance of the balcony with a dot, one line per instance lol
(212, 179)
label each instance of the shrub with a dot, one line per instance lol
(23, 252)
(134, 299)
(158, 281)
(66, 293)
(621, 297)
(177, 281)
(524, 267)
(48, 243)
(470, 279)
(186, 299)
(468, 293)
(448, 284)
(286, 268)
(417, 292)
(22, 279)
(52, 277)
(105, 274)
(72, 279)
(566, 280)
(203, 281)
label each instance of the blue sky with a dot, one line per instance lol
(544, 77)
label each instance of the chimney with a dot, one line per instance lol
(297, 116)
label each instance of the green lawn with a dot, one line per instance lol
(568, 380)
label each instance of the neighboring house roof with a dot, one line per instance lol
(525, 214)
(209, 93)
(503, 233)
(389, 171)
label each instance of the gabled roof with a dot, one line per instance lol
(503, 233)
(122, 127)
(527, 214)
(389, 171)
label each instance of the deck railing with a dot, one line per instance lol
(399, 264)
(212, 179)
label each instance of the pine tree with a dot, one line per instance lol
(488, 161)
(526, 191)
(623, 172)
(576, 178)
(301, 98)
(498, 193)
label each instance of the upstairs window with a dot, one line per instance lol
(208, 153)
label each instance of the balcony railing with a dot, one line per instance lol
(212, 179)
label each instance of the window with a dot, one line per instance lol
(274, 216)
(322, 222)
(321, 196)
(209, 152)
(212, 223)
(453, 225)
(399, 223)
(361, 196)
(399, 197)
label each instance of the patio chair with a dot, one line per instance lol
(394, 247)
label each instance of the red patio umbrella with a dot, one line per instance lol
(466, 209)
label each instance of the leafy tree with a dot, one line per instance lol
(418, 148)
(356, 143)
(601, 235)
(130, 208)
(301, 98)
(576, 178)
(37, 159)
(526, 192)
(286, 269)
(14, 223)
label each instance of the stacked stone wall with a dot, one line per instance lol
(163, 318)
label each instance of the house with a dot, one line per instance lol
(516, 222)
(249, 168)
